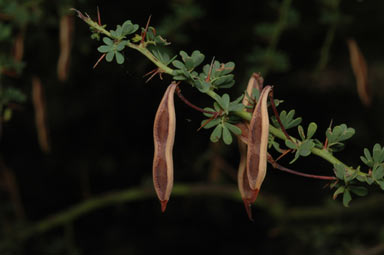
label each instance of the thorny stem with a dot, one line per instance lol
(284, 169)
(322, 153)
(178, 92)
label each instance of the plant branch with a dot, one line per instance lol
(186, 101)
(285, 169)
(322, 153)
(115, 198)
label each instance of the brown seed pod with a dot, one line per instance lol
(40, 114)
(164, 130)
(247, 194)
(359, 67)
(66, 31)
(258, 141)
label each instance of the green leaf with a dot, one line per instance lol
(202, 85)
(225, 102)
(347, 198)
(120, 46)
(119, 57)
(300, 129)
(227, 137)
(381, 183)
(104, 48)
(107, 41)
(312, 127)
(287, 119)
(178, 64)
(339, 171)
(290, 144)
(211, 123)
(349, 175)
(339, 191)
(359, 190)
(378, 153)
(378, 171)
(129, 28)
(109, 56)
(234, 129)
(197, 58)
(216, 133)
(306, 147)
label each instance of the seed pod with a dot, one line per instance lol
(66, 31)
(359, 67)
(258, 142)
(247, 194)
(40, 114)
(164, 133)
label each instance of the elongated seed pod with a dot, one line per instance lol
(258, 142)
(164, 130)
(40, 114)
(66, 32)
(247, 194)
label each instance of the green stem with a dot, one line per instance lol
(151, 57)
(129, 195)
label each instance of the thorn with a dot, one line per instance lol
(153, 72)
(98, 16)
(210, 70)
(98, 61)
(163, 205)
(144, 33)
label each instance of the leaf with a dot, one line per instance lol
(208, 123)
(378, 153)
(312, 127)
(216, 133)
(104, 48)
(339, 171)
(381, 183)
(234, 129)
(178, 64)
(290, 144)
(109, 56)
(197, 58)
(300, 129)
(164, 130)
(224, 103)
(120, 46)
(347, 198)
(306, 147)
(227, 137)
(339, 191)
(119, 57)
(378, 172)
(107, 41)
(258, 141)
(359, 190)
(359, 68)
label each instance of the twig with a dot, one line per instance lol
(285, 169)
(178, 92)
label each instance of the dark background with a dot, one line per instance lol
(100, 127)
